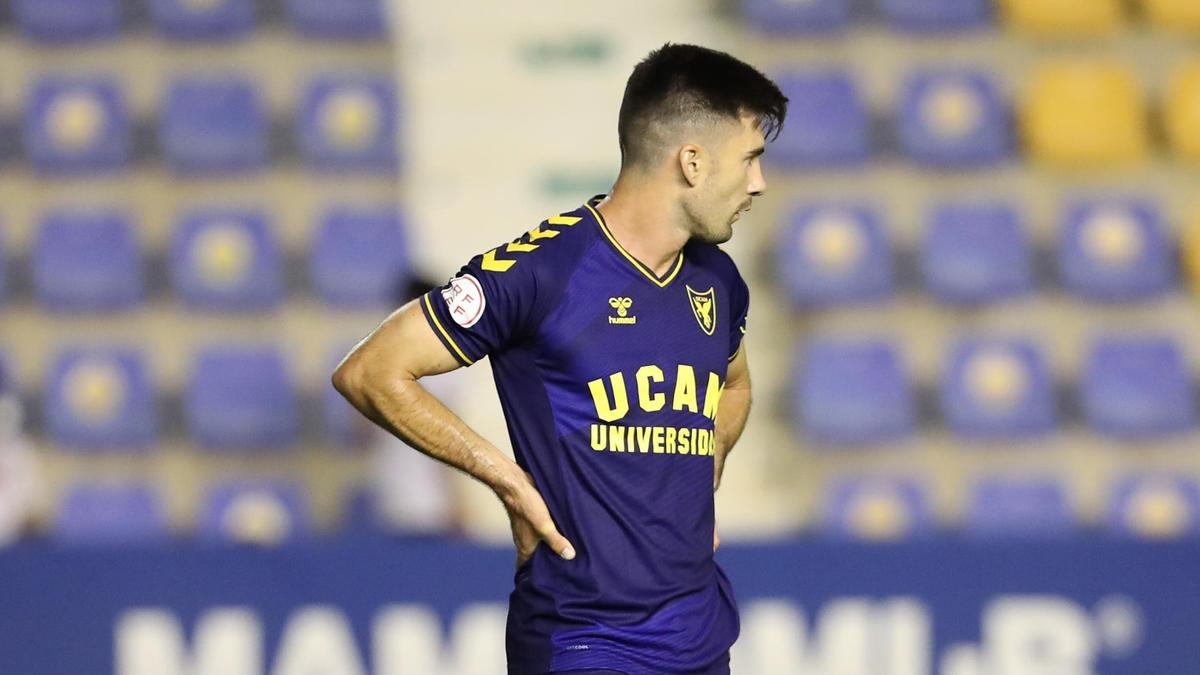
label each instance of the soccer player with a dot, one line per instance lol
(615, 338)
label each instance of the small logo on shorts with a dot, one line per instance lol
(622, 306)
(464, 297)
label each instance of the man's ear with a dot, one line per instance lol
(692, 163)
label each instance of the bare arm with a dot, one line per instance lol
(732, 412)
(380, 377)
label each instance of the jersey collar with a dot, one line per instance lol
(662, 281)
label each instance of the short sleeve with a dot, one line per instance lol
(739, 305)
(481, 311)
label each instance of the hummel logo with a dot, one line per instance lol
(622, 306)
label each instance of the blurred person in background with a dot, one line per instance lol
(615, 337)
(18, 468)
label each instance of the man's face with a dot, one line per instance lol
(734, 177)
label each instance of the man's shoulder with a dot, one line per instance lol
(553, 246)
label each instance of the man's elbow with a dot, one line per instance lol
(348, 378)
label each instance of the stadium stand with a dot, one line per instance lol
(936, 15)
(878, 508)
(1137, 387)
(68, 21)
(998, 388)
(853, 391)
(87, 260)
(338, 19)
(213, 123)
(359, 257)
(784, 17)
(953, 119)
(1003, 507)
(349, 123)
(1181, 110)
(113, 514)
(76, 124)
(828, 123)
(1063, 18)
(1173, 15)
(1155, 506)
(226, 260)
(192, 20)
(100, 399)
(976, 252)
(241, 399)
(834, 253)
(1116, 250)
(258, 512)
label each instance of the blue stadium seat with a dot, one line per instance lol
(1155, 506)
(339, 19)
(853, 392)
(974, 253)
(212, 124)
(344, 425)
(789, 16)
(827, 123)
(878, 508)
(241, 398)
(203, 20)
(936, 15)
(360, 257)
(93, 513)
(254, 512)
(953, 118)
(3, 268)
(350, 123)
(1137, 387)
(997, 388)
(87, 261)
(229, 260)
(1116, 250)
(76, 124)
(1001, 507)
(100, 398)
(68, 20)
(833, 253)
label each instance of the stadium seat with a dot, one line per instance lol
(203, 19)
(878, 509)
(229, 260)
(66, 21)
(789, 16)
(1182, 111)
(3, 268)
(339, 19)
(212, 124)
(1085, 115)
(853, 392)
(1175, 15)
(1190, 242)
(953, 119)
(1000, 507)
(1155, 506)
(86, 261)
(344, 425)
(936, 15)
(94, 513)
(256, 512)
(827, 125)
(359, 257)
(976, 252)
(834, 253)
(1137, 387)
(1065, 18)
(997, 388)
(100, 398)
(76, 124)
(241, 398)
(349, 123)
(1116, 250)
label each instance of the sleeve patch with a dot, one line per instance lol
(465, 300)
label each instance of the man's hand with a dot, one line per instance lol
(531, 522)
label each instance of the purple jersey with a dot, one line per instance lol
(609, 377)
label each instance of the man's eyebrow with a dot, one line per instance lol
(756, 152)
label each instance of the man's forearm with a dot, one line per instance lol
(407, 410)
(731, 420)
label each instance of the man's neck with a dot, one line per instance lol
(645, 222)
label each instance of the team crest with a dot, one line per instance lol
(704, 306)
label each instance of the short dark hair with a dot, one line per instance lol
(676, 83)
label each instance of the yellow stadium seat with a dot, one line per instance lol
(1182, 111)
(1191, 252)
(1085, 115)
(1182, 15)
(1063, 17)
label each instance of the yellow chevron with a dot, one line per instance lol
(564, 220)
(492, 265)
(538, 233)
(518, 247)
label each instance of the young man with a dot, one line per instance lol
(615, 335)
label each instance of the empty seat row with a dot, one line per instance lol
(856, 391)
(1036, 17)
(73, 21)
(236, 398)
(76, 124)
(1108, 249)
(1154, 506)
(1073, 114)
(220, 259)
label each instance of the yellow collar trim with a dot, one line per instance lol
(661, 283)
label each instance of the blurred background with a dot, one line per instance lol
(974, 448)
